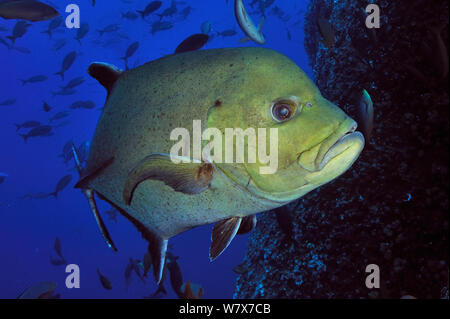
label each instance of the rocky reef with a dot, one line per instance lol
(391, 208)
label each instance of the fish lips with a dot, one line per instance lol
(346, 142)
(333, 146)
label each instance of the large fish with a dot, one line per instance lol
(129, 165)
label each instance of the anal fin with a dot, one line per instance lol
(247, 225)
(222, 235)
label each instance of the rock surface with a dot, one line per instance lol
(391, 207)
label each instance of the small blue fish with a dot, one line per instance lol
(8, 102)
(3, 176)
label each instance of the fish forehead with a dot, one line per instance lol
(146, 104)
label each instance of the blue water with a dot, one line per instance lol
(28, 228)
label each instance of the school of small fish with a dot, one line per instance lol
(159, 17)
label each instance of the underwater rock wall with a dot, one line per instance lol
(391, 207)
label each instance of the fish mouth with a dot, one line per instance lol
(344, 138)
(347, 141)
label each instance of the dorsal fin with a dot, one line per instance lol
(106, 74)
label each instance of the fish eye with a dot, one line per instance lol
(283, 110)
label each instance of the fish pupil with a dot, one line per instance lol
(282, 111)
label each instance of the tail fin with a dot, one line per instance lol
(23, 82)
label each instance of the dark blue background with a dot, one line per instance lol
(28, 227)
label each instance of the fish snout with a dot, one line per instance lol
(345, 137)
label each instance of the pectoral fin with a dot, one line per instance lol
(222, 235)
(188, 178)
(247, 225)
